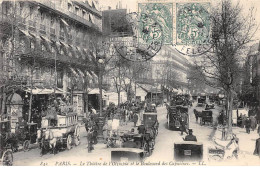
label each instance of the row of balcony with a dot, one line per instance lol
(52, 6)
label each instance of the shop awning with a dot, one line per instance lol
(96, 91)
(25, 32)
(46, 39)
(34, 35)
(64, 22)
(74, 71)
(44, 91)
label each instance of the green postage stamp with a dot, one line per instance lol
(162, 14)
(192, 23)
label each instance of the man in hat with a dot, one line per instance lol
(257, 147)
(141, 129)
(190, 137)
(248, 125)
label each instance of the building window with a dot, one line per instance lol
(42, 17)
(43, 47)
(52, 49)
(32, 44)
(69, 7)
(52, 20)
(61, 50)
(21, 8)
(76, 10)
(31, 12)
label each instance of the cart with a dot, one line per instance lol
(206, 117)
(176, 116)
(188, 151)
(26, 135)
(6, 153)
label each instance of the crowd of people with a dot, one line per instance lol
(125, 112)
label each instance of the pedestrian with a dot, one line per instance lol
(86, 122)
(224, 131)
(221, 118)
(105, 132)
(248, 125)
(257, 147)
(190, 137)
(258, 130)
(90, 140)
(196, 114)
(253, 123)
(93, 110)
(183, 127)
(135, 119)
(243, 121)
(141, 129)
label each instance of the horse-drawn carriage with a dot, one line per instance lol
(206, 117)
(60, 133)
(177, 117)
(145, 139)
(6, 153)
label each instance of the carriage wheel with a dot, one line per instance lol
(69, 142)
(7, 158)
(77, 136)
(26, 145)
(146, 149)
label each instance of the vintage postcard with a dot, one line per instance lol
(129, 83)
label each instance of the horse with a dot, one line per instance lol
(52, 140)
(46, 141)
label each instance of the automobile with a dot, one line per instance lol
(188, 151)
(206, 117)
(127, 155)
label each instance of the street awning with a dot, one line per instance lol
(74, 71)
(64, 22)
(34, 35)
(25, 32)
(80, 72)
(45, 91)
(45, 39)
(64, 44)
(96, 91)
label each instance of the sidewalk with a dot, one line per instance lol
(246, 145)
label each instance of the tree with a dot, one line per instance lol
(231, 31)
(10, 80)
